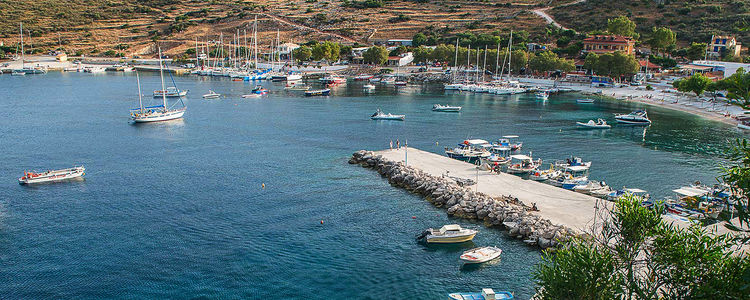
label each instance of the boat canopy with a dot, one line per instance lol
(690, 192)
(521, 157)
(576, 168)
(635, 191)
(475, 142)
(451, 227)
(510, 136)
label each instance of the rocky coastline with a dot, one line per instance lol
(460, 201)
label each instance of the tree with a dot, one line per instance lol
(616, 65)
(661, 39)
(303, 53)
(738, 87)
(519, 59)
(543, 62)
(622, 26)
(696, 51)
(592, 60)
(698, 83)
(326, 50)
(376, 55)
(421, 54)
(635, 254)
(419, 39)
(398, 51)
(443, 53)
(738, 178)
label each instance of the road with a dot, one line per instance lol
(542, 12)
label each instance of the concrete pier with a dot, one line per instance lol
(559, 206)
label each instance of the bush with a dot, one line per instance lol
(400, 18)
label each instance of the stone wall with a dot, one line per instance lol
(503, 212)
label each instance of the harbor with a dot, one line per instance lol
(233, 174)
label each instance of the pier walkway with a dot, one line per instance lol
(560, 206)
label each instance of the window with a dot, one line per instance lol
(716, 48)
(724, 41)
(717, 41)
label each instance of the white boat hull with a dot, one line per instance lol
(158, 116)
(54, 176)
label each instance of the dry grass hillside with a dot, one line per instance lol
(129, 27)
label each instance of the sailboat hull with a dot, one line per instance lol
(159, 116)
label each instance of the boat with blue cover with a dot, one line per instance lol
(323, 92)
(485, 294)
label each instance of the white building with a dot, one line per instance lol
(728, 68)
(401, 60)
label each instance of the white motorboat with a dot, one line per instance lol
(572, 162)
(523, 164)
(453, 86)
(590, 187)
(446, 108)
(543, 175)
(380, 115)
(18, 72)
(170, 92)
(542, 96)
(52, 175)
(638, 117)
(363, 77)
(599, 124)
(448, 234)
(507, 141)
(94, 70)
(368, 87)
(293, 77)
(211, 95)
(156, 113)
(602, 192)
(744, 123)
(486, 294)
(481, 254)
(585, 100)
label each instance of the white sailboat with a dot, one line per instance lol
(159, 112)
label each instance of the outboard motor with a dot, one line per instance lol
(423, 234)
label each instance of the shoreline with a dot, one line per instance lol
(658, 97)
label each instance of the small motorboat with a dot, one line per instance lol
(506, 141)
(612, 196)
(638, 117)
(254, 95)
(523, 164)
(542, 96)
(486, 294)
(599, 124)
(585, 101)
(602, 192)
(446, 108)
(52, 176)
(572, 162)
(368, 87)
(480, 255)
(380, 115)
(448, 234)
(743, 122)
(18, 72)
(543, 175)
(399, 83)
(323, 92)
(363, 77)
(590, 187)
(211, 95)
(170, 92)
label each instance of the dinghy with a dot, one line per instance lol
(446, 108)
(480, 255)
(380, 115)
(599, 124)
(211, 95)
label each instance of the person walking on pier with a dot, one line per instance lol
(391, 144)
(398, 144)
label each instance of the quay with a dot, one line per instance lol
(560, 206)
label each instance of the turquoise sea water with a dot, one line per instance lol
(176, 209)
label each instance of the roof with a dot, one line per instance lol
(695, 67)
(450, 227)
(476, 142)
(521, 157)
(614, 39)
(690, 192)
(650, 64)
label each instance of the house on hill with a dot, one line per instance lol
(720, 43)
(609, 43)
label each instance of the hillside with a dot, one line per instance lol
(691, 20)
(128, 26)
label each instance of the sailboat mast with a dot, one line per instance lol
(497, 59)
(255, 41)
(455, 64)
(140, 96)
(468, 53)
(484, 66)
(510, 53)
(22, 54)
(163, 89)
(476, 74)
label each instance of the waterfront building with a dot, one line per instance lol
(608, 43)
(721, 43)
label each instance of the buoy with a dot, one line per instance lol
(263, 185)
(321, 221)
(413, 217)
(436, 143)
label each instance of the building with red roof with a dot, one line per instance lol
(608, 44)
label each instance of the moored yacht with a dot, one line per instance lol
(446, 108)
(448, 234)
(156, 113)
(638, 117)
(380, 115)
(480, 255)
(52, 175)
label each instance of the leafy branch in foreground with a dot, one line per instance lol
(637, 255)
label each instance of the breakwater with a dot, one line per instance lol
(460, 201)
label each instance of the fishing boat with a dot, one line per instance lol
(638, 117)
(523, 164)
(447, 234)
(467, 154)
(480, 255)
(323, 92)
(18, 72)
(211, 95)
(485, 294)
(590, 187)
(368, 87)
(297, 87)
(445, 108)
(571, 162)
(544, 175)
(625, 191)
(602, 192)
(578, 176)
(363, 77)
(585, 101)
(94, 70)
(380, 115)
(159, 112)
(599, 124)
(52, 175)
(542, 96)
(507, 141)
(332, 79)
